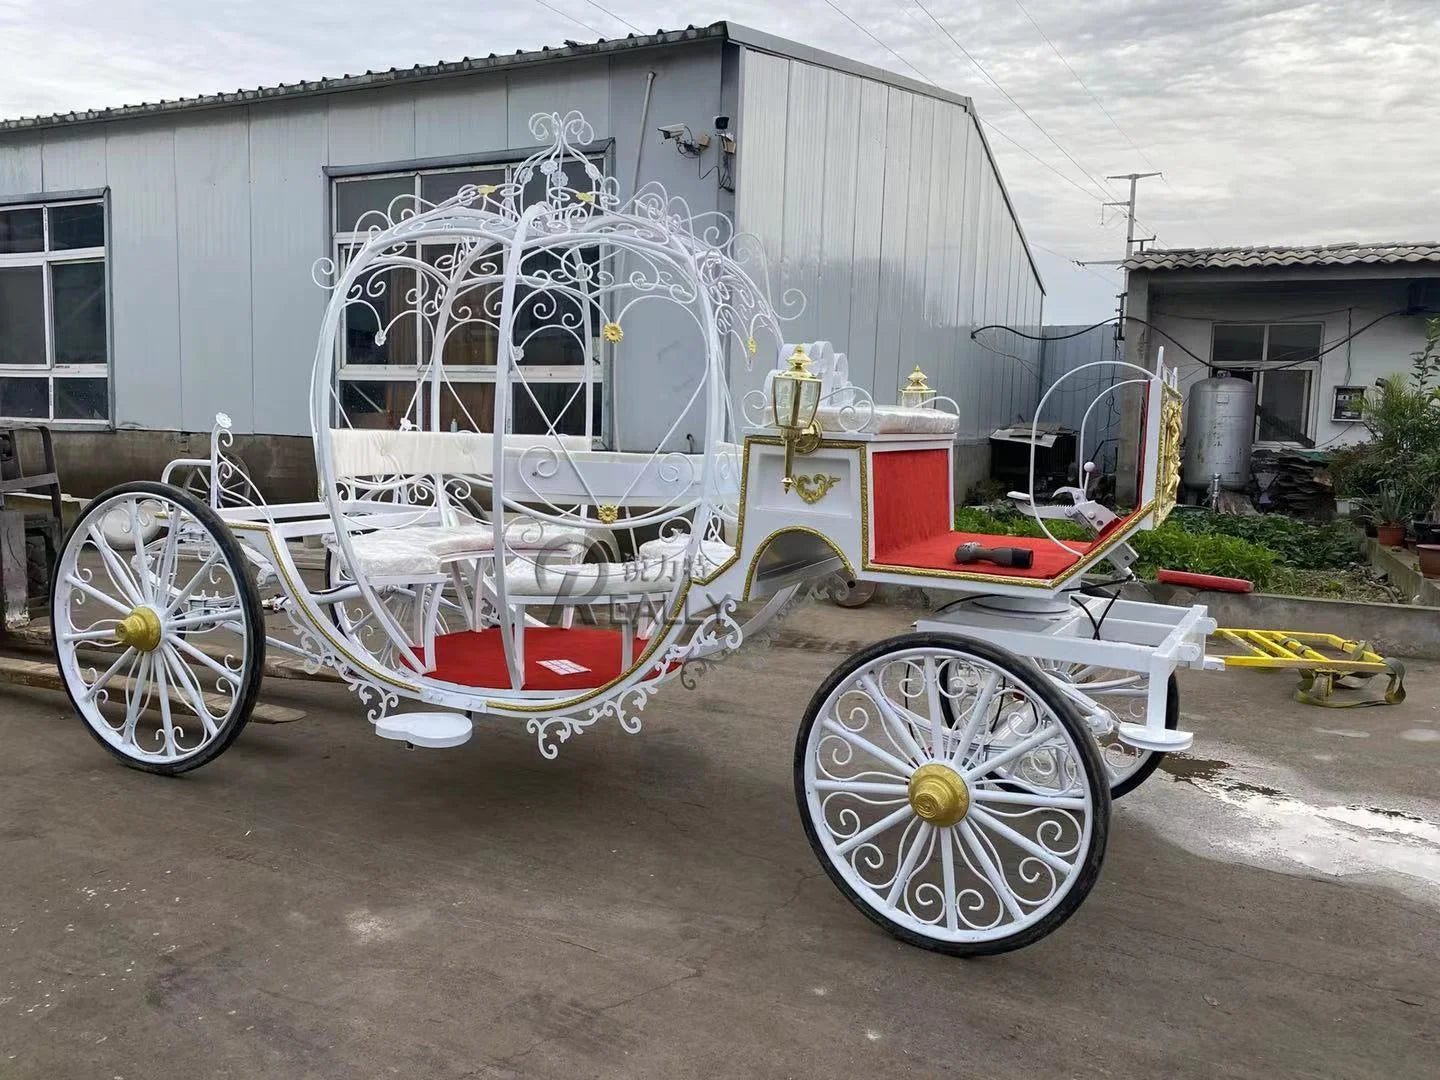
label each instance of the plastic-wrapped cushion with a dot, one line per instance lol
(583, 582)
(421, 550)
(887, 420)
(712, 554)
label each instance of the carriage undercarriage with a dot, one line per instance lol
(955, 782)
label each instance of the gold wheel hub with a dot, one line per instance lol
(938, 795)
(140, 629)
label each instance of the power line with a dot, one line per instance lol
(572, 18)
(1006, 94)
(627, 22)
(1098, 103)
(926, 78)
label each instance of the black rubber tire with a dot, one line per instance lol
(247, 594)
(1151, 763)
(1023, 671)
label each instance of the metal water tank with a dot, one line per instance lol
(1219, 432)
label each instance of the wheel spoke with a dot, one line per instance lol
(142, 563)
(163, 692)
(947, 872)
(184, 680)
(1010, 753)
(200, 618)
(922, 834)
(119, 575)
(108, 674)
(1045, 855)
(166, 571)
(992, 873)
(932, 706)
(860, 742)
(194, 581)
(106, 633)
(890, 716)
(138, 694)
(1028, 798)
(979, 714)
(890, 819)
(862, 787)
(195, 654)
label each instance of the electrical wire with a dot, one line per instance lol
(617, 18)
(1098, 103)
(1007, 96)
(985, 123)
(572, 18)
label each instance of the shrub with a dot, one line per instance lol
(976, 519)
(1171, 547)
(1299, 544)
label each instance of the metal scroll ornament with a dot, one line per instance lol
(1167, 487)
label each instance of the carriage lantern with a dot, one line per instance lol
(796, 399)
(916, 393)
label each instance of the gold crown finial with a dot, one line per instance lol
(799, 361)
(916, 380)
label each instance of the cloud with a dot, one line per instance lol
(1275, 121)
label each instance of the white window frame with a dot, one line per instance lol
(464, 373)
(1311, 368)
(47, 259)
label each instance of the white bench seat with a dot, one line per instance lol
(888, 420)
(422, 550)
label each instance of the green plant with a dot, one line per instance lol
(1171, 547)
(1402, 416)
(974, 519)
(1299, 544)
(1390, 505)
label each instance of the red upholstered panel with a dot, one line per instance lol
(477, 657)
(938, 553)
(912, 498)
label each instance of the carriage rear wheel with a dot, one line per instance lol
(157, 627)
(952, 793)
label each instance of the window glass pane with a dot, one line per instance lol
(561, 404)
(1283, 405)
(387, 292)
(375, 404)
(1238, 344)
(81, 399)
(22, 315)
(1294, 342)
(437, 187)
(25, 398)
(79, 226)
(354, 198)
(467, 406)
(22, 230)
(78, 296)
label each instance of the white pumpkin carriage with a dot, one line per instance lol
(955, 782)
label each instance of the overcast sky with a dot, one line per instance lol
(1275, 121)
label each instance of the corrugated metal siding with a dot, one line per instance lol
(145, 276)
(212, 180)
(217, 217)
(1067, 405)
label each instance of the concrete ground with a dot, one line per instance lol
(321, 903)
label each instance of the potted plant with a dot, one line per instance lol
(1388, 509)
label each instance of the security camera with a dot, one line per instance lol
(722, 123)
(678, 132)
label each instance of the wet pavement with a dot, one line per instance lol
(320, 903)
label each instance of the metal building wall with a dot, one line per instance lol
(882, 205)
(217, 217)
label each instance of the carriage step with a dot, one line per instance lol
(433, 730)
(1163, 740)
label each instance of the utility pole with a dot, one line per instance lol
(1130, 208)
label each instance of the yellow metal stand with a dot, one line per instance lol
(1320, 674)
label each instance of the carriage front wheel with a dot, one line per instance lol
(952, 793)
(157, 627)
